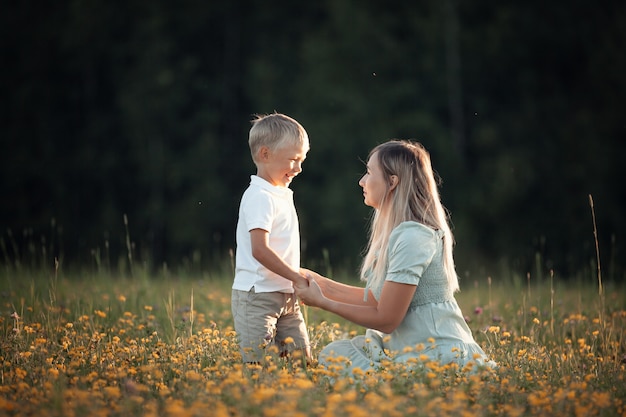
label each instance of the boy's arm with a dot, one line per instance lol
(262, 252)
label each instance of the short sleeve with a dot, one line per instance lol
(257, 211)
(412, 247)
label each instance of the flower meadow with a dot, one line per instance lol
(103, 345)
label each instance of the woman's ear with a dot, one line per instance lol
(393, 182)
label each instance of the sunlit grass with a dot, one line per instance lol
(164, 346)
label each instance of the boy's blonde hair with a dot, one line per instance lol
(274, 131)
(415, 198)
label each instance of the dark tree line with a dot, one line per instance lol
(142, 109)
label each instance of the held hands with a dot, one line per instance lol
(302, 281)
(312, 294)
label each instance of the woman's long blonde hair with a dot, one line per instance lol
(415, 198)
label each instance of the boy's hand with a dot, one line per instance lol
(301, 282)
(311, 276)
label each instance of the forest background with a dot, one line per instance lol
(137, 110)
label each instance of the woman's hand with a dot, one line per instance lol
(311, 295)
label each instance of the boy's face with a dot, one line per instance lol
(280, 166)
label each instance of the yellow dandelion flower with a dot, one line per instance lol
(262, 393)
(356, 411)
(537, 399)
(112, 392)
(536, 321)
(121, 298)
(302, 383)
(289, 340)
(435, 383)
(192, 375)
(601, 399)
(349, 396)
(147, 308)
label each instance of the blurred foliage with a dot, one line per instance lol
(143, 109)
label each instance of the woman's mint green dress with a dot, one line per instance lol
(415, 257)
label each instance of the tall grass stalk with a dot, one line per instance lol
(599, 269)
(191, 315)
(231, 258)
(16, 251)
(52, 291)
(128, 245)
(170, 310)
(552, 302)
(490, 299)
(595, 238)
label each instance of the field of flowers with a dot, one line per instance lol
(104, 345)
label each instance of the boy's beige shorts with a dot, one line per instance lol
(265, 319)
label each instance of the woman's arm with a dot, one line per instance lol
(385, 316)
(337, 291)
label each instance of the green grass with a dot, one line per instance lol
(107, 344)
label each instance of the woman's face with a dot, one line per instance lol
(373, 182)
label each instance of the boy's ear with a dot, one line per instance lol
(264, 153)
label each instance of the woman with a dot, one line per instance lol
(408, 301)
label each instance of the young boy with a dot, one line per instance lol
(264, 306)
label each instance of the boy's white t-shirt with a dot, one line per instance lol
(271, 208)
